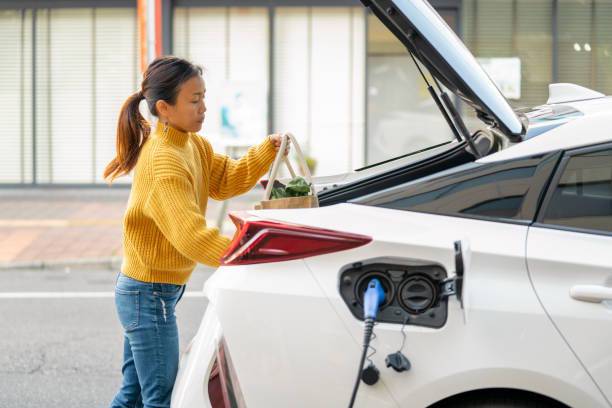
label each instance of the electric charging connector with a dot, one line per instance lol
(373, 298)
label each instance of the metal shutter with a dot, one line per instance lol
(16, 101)
(85, 69)
(319, 67)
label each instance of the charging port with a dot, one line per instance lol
(418, 293)
(385, 282)
(413, 290)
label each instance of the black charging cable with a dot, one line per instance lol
(373, 298)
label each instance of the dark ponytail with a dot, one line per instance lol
(162, 80)
(132, 131)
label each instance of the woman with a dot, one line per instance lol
(164, 229)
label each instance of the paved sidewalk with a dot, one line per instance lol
(52, 227)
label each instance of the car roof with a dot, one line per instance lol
(585, 130)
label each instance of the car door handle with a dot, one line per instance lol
(591, 293)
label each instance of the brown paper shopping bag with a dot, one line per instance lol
(309, 201)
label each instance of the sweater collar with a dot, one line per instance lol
(172, 134)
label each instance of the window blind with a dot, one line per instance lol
(16, 101)
(85, 69)
(575, 42)
(117, 76)
(319, 57)
(520, 28)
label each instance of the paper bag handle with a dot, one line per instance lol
(281, 156)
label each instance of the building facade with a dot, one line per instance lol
(325, 70)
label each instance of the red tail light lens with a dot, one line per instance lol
(259, 241)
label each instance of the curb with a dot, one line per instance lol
(113, 262)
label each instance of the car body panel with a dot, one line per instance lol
(582, 131)
(503, 338)
(263, 310)
(559, 261)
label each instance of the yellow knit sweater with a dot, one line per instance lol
(164, 229)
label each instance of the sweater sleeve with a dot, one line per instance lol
(231, 177)
(172, 206)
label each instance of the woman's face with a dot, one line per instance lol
(187, 114)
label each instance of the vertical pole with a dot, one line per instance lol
(475, 28)
(593, 45)
(366, 120)
(270, 69)
(33, 96)
(351, 46)
(228, 43)
(514, 28)
(150, 31)
(167, 24)
(141, 8)
(49, 101)
(157, 28)
(22, 98)
(93, 96)
(555, 41)
(309, 82)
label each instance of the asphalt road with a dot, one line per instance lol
(60, 341)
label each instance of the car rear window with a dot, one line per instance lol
(488, 191)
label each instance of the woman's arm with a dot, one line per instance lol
(172, 206)
(231, 177)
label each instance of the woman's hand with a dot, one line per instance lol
(276, 139)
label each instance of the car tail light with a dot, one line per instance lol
(258, 240)
(223, 387)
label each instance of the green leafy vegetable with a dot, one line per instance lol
(278, 192)
(297, 187)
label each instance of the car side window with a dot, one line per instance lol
(582, 198)
(489, 191)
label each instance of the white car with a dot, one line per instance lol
(496, 273)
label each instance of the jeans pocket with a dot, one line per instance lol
(169, 289)
(128, 307)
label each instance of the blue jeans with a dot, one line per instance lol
(151, 342)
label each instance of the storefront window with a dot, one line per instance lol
(61, 126)
(523, 29)
(318, 84)
(504, 31)
(232, 45)
(585, 43)
(401, 115)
